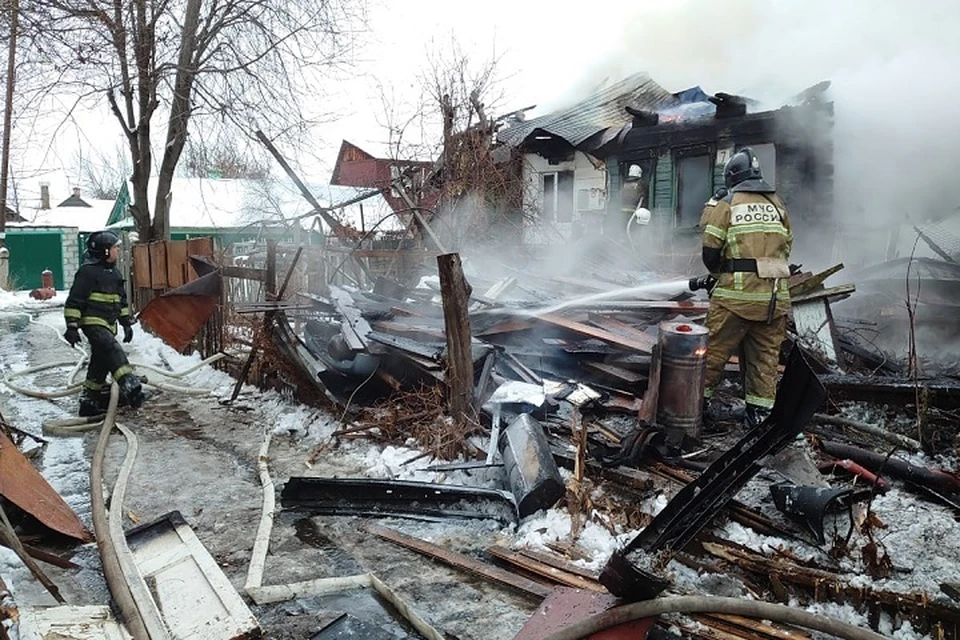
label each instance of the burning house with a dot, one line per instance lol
(668, 149)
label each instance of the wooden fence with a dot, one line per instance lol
(159, 267)
(162, 266)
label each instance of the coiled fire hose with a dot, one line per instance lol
(74, 387)
(71, 426)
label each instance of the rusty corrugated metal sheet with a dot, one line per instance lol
(177, 319)
(602, 110)
(22, 484)
(566, 606)
(177, 316)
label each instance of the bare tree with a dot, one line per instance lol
(223, 157)
(233, 61)
(103, 172)
(10, 84)
(453, 123)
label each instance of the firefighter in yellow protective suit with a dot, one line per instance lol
(746, 248)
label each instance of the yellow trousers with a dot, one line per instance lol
(761, 346)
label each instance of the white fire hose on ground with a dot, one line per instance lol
(79, 425)
(642, 217)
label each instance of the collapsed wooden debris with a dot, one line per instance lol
(698, 502)
(598, 356)
(368, 353)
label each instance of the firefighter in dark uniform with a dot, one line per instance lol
(97, 301)
(746, 247)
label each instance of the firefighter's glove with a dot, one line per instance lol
(127, 333)
(72, 335)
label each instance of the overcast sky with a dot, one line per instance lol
(543, 51)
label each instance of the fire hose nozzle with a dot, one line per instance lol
(706, 281)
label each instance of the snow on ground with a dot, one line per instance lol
(922, 538)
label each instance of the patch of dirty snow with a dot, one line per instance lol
(12, 301)
(321, 428)
(846, 613)
(554, 525)
(655, 504)
(691, 580)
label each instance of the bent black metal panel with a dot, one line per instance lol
(423, 500)
(800, 395)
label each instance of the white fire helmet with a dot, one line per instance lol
(634, 171)
(642, 215)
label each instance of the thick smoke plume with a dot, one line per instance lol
(894, 85)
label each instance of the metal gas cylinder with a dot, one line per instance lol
(531, 471)
(683, 365)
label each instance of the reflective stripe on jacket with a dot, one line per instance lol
(97, 297)
(748, 225)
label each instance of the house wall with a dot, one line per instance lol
(587, 200)
(798, 138)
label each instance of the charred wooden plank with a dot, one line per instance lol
(456, 297)
(429, 350)
(245, 273)
(620, 402)
(943, 393)
(556, 562)
(621, 328)
(414, 330)
(809, 284)
(648, 407)
(746, 628)
(553, 574)
(894, 438)
(619, 373)
(507, 326)
(842, 290)
(632, 342)
(460, 561)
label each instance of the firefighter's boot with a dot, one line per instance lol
(130, 390)
(719, 415)
(92, 403)
(755, 416)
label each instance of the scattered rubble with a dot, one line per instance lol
(564, 400)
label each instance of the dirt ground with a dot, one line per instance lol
(198, 456)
